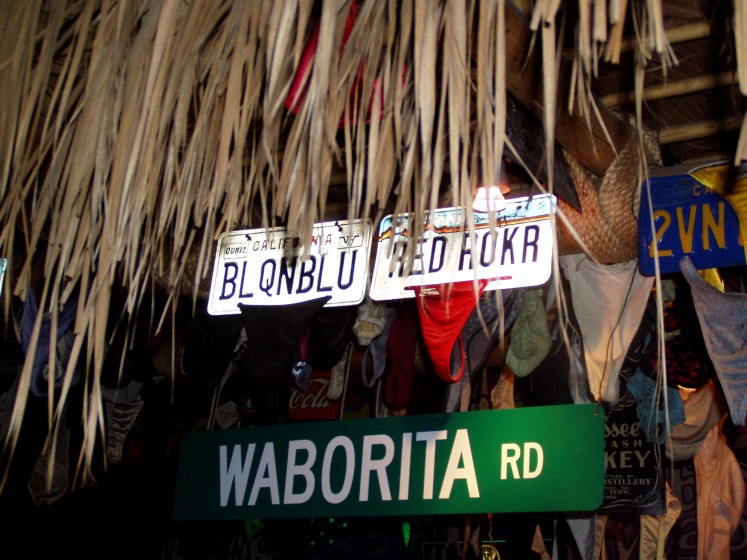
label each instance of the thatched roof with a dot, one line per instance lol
(133, 133)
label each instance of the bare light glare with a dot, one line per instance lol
(489, 198)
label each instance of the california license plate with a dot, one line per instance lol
(516, 253)
(690, 219)
(271, 267)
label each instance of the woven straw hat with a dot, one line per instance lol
(608, 221)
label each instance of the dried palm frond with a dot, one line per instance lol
(134, 132)
(740, 36)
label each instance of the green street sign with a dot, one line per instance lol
(548, 458)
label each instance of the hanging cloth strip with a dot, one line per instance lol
(65, 318)
(274, 334)
(401, 343)
(704, 407)
(329, 333)
(444, 309)
(495, 314)
(722, 319)
(720, 494)
(376, 349)
(655, 528)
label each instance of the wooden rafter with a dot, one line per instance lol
(672, 89)
(697, 130)
(680, 34)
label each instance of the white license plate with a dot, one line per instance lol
(517, 253)
(270, 267)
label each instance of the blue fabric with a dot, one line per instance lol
(651, 419)
(65, 318)
(377, 350)
(723, 320)
(494, 315)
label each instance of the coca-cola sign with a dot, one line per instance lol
(313, 403)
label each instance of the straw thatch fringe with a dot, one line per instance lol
(135, 132)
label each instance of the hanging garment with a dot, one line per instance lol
(530, 337)
(655, 528)
(208, 348)
(720, 495)
(376, 349)
(723, 320)
(63, 338)
(122, 407)
(444, 310)
(583, 531)
(600, 529)
(609, 302)
(567, 351)
(560, 378)
(338, 375)
(44, 492)
(370, 321)
(682, 541)
(458, 395)
(652, 420)
(496, 313)
(704, 407)
(329, 333)
(274, 334)
(399, 381)
(502, 393)
(688, 364)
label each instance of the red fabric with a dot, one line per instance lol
(444, 309)
(304, 346)
(401, 345)
(299, 86)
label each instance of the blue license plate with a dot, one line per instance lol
(690, 219)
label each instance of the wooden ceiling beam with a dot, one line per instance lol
(679, 34)
(697, 130)
(673, 89)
